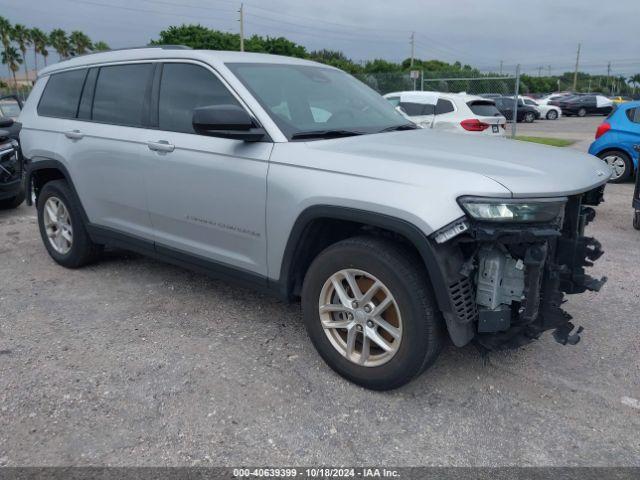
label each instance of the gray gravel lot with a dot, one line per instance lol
(133, 362)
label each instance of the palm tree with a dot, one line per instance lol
(12, 59)
(80, 43)
(100, 47)
(59, 41)
(5, 33)
(22, 36)
(39, 39)
(635, 81)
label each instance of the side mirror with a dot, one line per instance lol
(226, 121)
(6, 122)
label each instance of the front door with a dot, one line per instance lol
(207, 195)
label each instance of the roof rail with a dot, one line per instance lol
(163, 47)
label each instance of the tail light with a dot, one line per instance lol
(474, 125)
(603, 128)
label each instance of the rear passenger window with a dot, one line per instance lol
(444, 106)
(120, 93)
(634, 114)
(185, 87)
(417, 109)
(62, 94)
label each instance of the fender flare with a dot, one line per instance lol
(413, 234)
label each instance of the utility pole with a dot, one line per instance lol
(515, 103)
(413, 46)
(501, 62)
(540, 71)
(575, 73)
(549, 69)
(241, 12)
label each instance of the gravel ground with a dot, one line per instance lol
(133, 362)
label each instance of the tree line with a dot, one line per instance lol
(16, 40)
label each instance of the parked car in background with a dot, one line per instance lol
(11, 167)
(618, 141)
(10, 107)
(549, 112)
(526, 113)
(618, 100)
(455, 112)
(582, 105)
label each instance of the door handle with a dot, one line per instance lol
(74, 134)
(161, 146)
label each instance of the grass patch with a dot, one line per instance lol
(555, 142)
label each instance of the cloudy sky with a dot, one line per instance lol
(533, 33)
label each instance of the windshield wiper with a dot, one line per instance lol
(405, 126)
(324, 134)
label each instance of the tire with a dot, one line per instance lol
(582, 112)
(81, 250)
(13, 202)
(636, 220)
(620, 163)
(552, 115)
(529, 117)
(412, 309)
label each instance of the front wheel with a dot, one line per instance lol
(369, 311)
(620, 164)
(552, 115)
(582, 112)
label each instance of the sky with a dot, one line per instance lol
(533, 33)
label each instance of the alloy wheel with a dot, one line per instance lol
(360, 317)
(617, 164)
(57, 224)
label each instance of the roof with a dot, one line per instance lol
(213, 57)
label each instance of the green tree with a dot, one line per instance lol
(100, 47)
(39, 39)
(12, 59)
(79, 43)
(5, 32)
(60, 43)
(22, 36)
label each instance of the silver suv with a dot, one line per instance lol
(298, 179)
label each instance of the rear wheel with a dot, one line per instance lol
(62, 227)
(620, 164)
(369, 311)
(582, 112)
(552, 115)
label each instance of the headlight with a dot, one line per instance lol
(513, 210)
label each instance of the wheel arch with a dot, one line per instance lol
(309, 236)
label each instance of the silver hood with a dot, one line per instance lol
(525, 169)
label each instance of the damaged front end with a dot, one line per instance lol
(508, 266)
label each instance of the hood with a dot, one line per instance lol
(525, 169)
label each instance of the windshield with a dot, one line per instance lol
(305, 99)
(9, 109)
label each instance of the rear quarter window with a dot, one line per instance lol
(633, 114)
(62, 94)
(483, 108)
(444, 106)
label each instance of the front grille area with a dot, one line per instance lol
(463, 300)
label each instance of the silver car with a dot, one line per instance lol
(295, 178)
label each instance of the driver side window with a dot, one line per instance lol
(184, 87)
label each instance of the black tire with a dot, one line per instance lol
(636, 220)
(582, 112)
(529, 117)
(13, 202)
(552, 115)
(401, 271)
(83, 250)
(628, 164)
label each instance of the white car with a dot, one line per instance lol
(456, 112)
(550, 112)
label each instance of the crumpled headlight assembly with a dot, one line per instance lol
(525, 210)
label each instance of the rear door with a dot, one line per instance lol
(207, 195)
(445, 117)
(420, 113)
(630, 133)
(105, 147)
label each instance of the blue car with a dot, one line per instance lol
(618, 141)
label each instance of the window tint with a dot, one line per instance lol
(395, 101)
(417, 109)
(483, 108)
(62, 94)
(634, 114)
(444, 106)
(530, 102)
(120, 94)
(185, 87)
